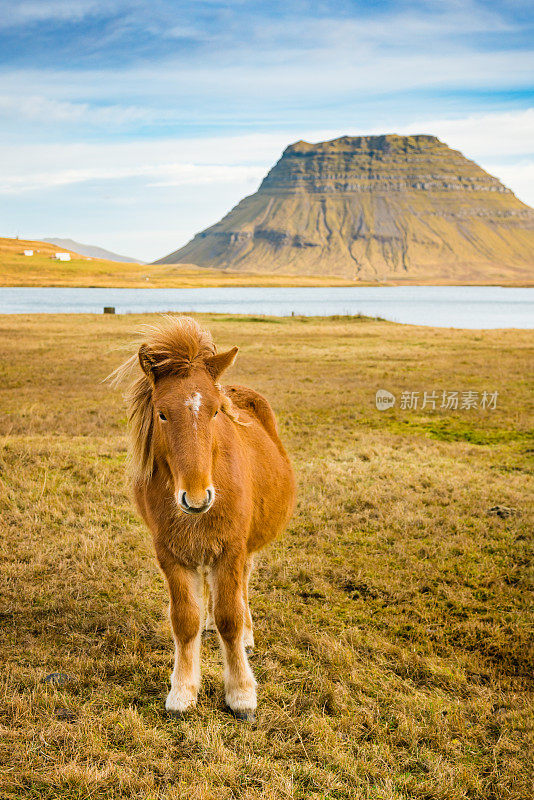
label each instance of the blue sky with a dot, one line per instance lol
(133, 125)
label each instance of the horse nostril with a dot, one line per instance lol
(194, 508)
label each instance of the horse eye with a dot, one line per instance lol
(162, 416)
(216, 413)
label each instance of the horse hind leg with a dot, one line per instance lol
(248, 634)
(209, 620)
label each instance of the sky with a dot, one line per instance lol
(133, 125)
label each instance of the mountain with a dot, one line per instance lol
(90, 250)
(374, 208)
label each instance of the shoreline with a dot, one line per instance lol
(265, 319)
(297, 283)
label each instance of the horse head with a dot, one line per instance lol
(186, 399)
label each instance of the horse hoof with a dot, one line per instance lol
(243, 716)
(177, 715)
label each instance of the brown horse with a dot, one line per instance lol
(214, 484)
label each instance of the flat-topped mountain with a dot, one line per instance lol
(374, 208)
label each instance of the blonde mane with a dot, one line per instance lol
(176, 345)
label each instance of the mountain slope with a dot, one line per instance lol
(374, 208)
(90, 250)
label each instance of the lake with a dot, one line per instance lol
(441, 306)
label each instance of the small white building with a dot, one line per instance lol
(62, 256)
(28, 252)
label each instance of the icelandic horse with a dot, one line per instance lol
(214, 484)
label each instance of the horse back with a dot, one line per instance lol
(272, 482)
(257, 405)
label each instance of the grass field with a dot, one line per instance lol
(392, 620)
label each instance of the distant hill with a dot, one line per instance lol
(374, 208)
(91, 251)
(42, 269)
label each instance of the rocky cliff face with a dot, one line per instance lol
(374, 208)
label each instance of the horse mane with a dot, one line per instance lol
(176, 345)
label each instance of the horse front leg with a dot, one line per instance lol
(185, 611)
(239, 683)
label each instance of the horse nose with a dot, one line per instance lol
(197, 502)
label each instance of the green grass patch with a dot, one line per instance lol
(453, 430)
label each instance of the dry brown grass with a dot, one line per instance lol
(392, 619)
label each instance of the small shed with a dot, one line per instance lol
(28, 252)
(62, 256)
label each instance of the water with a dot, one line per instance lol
(442, 306)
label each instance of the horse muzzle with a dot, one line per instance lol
(195, 504)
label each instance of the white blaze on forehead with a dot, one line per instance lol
(193, 403)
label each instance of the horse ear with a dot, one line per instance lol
(218, 363)
(146, 359)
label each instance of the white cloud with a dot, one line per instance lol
(154, 175)
(45, 110)
(506, 133)
(24, 13)
(205, 174)
(486, 138)
(518, 176)
(403, 27)
(157, 158)
(354, 62)
(258, 67)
